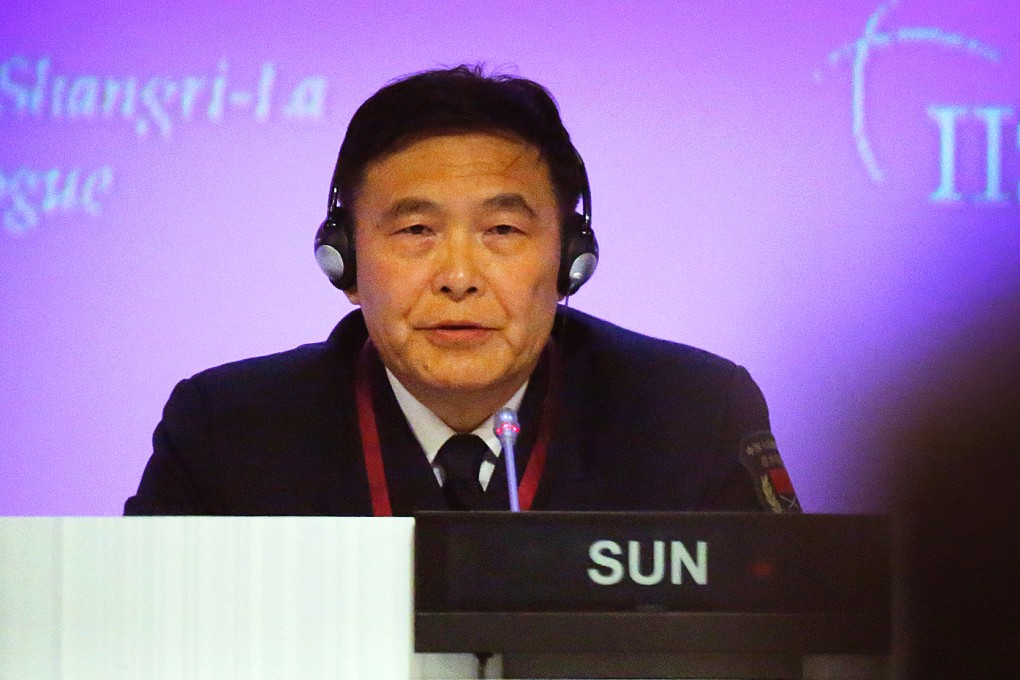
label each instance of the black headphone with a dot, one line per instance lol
(335, 253)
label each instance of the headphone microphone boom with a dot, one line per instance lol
(336, 257)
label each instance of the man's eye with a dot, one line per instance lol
(504, 230)
(415, 230)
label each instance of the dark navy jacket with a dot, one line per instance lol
(642, 424)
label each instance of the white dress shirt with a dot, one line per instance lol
(432, 432)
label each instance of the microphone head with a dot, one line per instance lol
(505, 425)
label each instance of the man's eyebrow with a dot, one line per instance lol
(410, 206)
(510, 201)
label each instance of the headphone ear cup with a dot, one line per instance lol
(334, 251)
(580, 257)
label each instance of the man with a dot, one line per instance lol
(451, 225)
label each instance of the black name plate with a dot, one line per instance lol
(816, 577)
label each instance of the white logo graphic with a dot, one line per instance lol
(874, 39)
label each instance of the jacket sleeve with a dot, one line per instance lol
(168, 485)
(757, 480)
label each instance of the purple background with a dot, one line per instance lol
(732, 205)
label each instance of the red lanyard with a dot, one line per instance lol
(373, 453)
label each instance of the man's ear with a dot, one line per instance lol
(352, 295)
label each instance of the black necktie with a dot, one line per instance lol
(461, 458)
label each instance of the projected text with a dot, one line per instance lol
(27, 195)
(148, 106)
(155, 104)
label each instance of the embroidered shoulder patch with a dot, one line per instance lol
(758, 453)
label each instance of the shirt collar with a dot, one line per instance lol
(429, 429)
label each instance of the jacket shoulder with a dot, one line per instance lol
(297, 372)
(274, 434)
(266, 372)
(678, 414)
(605, 342)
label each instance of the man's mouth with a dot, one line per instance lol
(457, 333)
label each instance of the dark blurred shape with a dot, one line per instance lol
(958, 499)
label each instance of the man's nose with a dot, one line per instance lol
(457, 271)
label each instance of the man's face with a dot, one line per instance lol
(458, 245)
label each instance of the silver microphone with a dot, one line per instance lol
(506, 428)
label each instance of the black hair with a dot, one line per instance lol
(459, 99)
